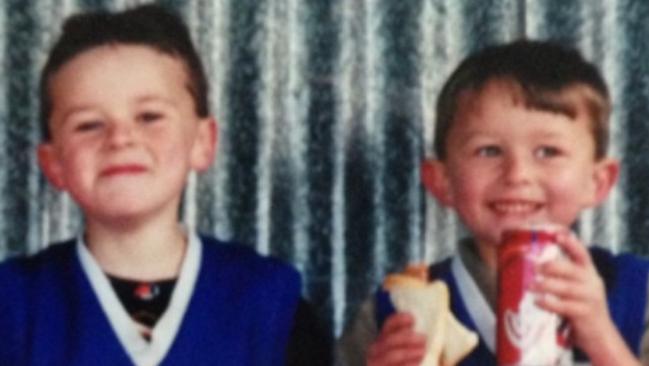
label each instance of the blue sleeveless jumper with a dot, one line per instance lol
(625, 278)
(240, 313)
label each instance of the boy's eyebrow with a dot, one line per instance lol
(156, 98)
(475, 133)
(76, 109)
(468, 137)
(142, 99)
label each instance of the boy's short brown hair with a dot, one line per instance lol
(545, 74)
(147, 25)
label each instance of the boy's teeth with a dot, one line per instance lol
(519, 207)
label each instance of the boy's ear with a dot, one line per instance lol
(605, 176)
(50, 165)
(435, 180)
(202, 154)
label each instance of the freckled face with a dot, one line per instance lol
(511, 166)
(124, 132)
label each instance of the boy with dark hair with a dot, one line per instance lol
(125, 119)
(520, 138)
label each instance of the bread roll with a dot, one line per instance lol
(448, 341)
(458, 343)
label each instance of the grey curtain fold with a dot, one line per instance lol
(325, 111)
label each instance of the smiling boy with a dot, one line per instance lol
(521, 139)
(124, 135)
(505, 164)
(125, 119)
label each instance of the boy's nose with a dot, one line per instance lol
(120, 134)
(516, 170)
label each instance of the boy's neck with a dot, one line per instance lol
(148, 252)
(488, 254)
(483, 275)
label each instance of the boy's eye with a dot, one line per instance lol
(547, 152)
(148, 117)
(489, 151)
(88, 126)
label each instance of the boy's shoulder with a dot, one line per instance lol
(35, 279)
(625, 277)
(619, 268)
(234, 258)
(225, 254)
(601, 252)
(55, 255)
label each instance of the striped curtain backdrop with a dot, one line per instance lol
(325, 111)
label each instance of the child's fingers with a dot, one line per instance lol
(571, 308)
(402, 338)
(567, 279)
(573, 247)
(561, 288)
(378, 356)
(398, 343)
(569, 289)
(396, 322)
(562, 268)
(583, 310)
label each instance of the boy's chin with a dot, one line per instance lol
(488, 239)
(124, 217)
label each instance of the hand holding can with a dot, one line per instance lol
(526, 334)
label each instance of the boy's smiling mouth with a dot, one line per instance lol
(515, 207)
(124, 169)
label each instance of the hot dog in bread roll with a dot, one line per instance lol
(448, 341)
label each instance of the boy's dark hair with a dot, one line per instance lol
(148, 25)
(542, 71)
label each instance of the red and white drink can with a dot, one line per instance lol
(526, 334)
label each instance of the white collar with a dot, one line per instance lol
(477, 306)
(141, 352)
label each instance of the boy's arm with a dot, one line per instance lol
(396, 344)
(612, 351)
(309, 342)
(352, 346)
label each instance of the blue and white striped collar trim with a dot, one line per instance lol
(479, 311)
(163, 334)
